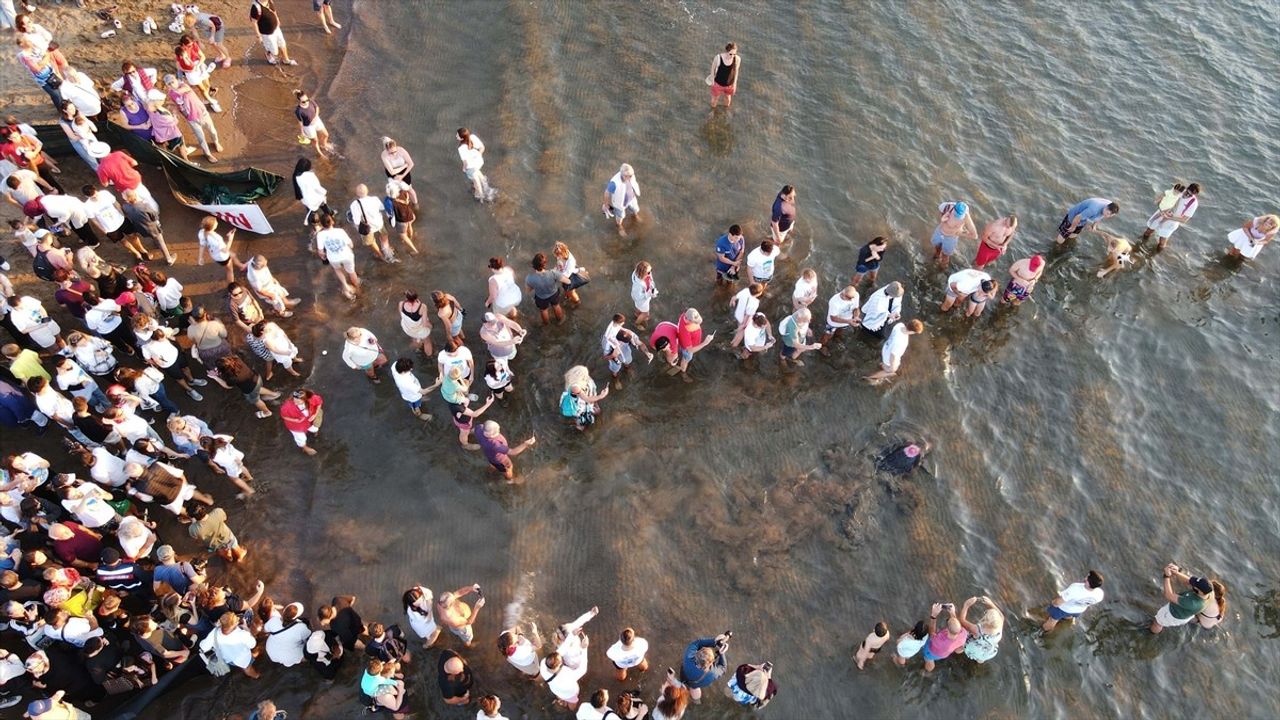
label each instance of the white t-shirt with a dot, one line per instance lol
(481, 716)
(284, 646)
(101, 206)
(755, 336)
(761, 264)
(367, 209)
(564, 682)
(878, 308)
(525, 653)
(53, 404)
(336, 244)
(472, 158)
(91, 510)
(586, 712)
(967, 281)
(107, 468)
(235, 648)
(1077, 597)
(896, 345)
(805, 290)
(162, 352)
(169, 295)
(628, 657)
(408, 385)
(65, 208)
(840, 306)
(132, 428)
(213, 244)
(103, 317)
(448, 360)
(744, 305)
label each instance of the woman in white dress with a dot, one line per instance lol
(1248, 241)
(504, 292)
(416, 323)
(230, 459)
(265, 286)
(417, 605)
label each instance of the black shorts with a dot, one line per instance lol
(881, 333)
(1064, 228)
(223, 263)
(544, 303)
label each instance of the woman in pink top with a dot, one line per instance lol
(945, 641)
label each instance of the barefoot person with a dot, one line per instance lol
(616, 345)
(894, 348)
(1182, 607)
(324, 9)
(842, 312)
(1248, 241)
(1085, 215)
(456, 615)
(1073, 600)
(869, 257)
(496, 449)
(961, 284)
(783, 216)
(729, 247)
(1023, 276)
(691, 340)
(627, 653)
(544, 284)
(882, 309)
(724, 75)
(504, 292)
(361, 351)
(1170, 216)
(704, 662)
(946, 640)
(335, 248)
(996, 237)
(643, 291)
(795, 334)
(263, 14)
(622, 195)
(1118, 253)
(984, 636)
(471, 152)
(871, 645)
(954, 222)
(910, 643)
(752, 685)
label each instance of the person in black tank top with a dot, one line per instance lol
(724, 75)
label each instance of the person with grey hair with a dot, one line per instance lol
(498, 451)
(621, 195)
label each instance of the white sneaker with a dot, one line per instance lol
(199, 382)
(214, 106)
(195, 395)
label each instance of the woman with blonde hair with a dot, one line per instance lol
(1248, 240)
(984, 637)
(580, 400)
(572, 277)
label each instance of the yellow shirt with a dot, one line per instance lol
(27, 365)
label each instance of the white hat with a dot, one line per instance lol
(99, 149)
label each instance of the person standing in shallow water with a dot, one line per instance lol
(1182, 607)
(724, 75)
(954, 222)
(622, 195)
(1023, 276)
(1073, 600)
(704, 662)
(783, 217)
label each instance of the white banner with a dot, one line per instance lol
(245, 217)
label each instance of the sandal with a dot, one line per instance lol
(263, 414)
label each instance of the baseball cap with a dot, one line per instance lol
(960, 209)
(165, 553)
(1036, 262)
(1202, 585)
(38, 707)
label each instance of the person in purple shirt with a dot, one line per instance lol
(729, 248)
(497, 451)
(1085, 215)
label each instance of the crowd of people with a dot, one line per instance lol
(104, 606)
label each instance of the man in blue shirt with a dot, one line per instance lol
(1085, 214)
(729, 255)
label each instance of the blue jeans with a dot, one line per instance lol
(166, 404)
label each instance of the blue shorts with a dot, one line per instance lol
(832, 329)
(787, 351)
(414, 404)
(686, 354)
(868, 268)
(1056, 613)
(928, 655)
(946, 242)
(317, 4)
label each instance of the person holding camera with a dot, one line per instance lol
(942, 643)
(1182, 607)
(704, 662)
(457, 615)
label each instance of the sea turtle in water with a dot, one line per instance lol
(902, 458)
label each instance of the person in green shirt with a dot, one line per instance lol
(210, 527)
(1183, 606)
(24, 364)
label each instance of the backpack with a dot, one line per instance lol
(41, 266)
